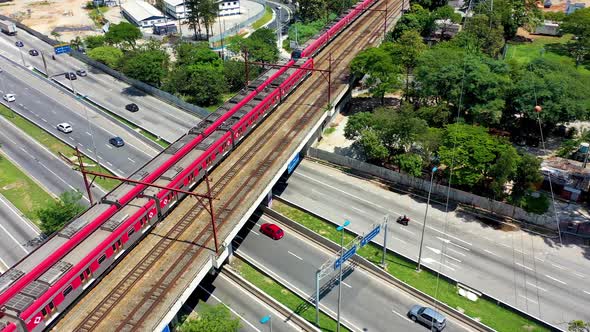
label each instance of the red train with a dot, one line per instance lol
(40, 286)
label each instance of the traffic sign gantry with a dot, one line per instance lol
(345, 257)
(370, 236)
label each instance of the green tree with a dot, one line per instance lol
(57, 213)
(405, 52)
(147, 66)
(357, 123)
(109, 55)
(372, 146)
(195, 53)
(502, 170)
(578, 24)
(203, 84)
(483, 35)
(94, 41)
(398, 130)
(528, 173)
(554, 16)
(429, 142)
(235, 74)
(123, 34)
(417, 18)
(410, 163)
(383, 75)
(194, 16)
(211, 318)
(578, 326)
(311, 10)
(261, 46)
(431, 4)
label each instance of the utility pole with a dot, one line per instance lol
(279, 26)
(384, 242)
(425, 215)
(341, 230)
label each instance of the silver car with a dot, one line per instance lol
(429, 317)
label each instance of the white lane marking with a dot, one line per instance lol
(131, 160)
(108, 162)
(80, 144)
(540, 260)
(100, 157)
(491, 253)
(347, 285)
(230, 309)
(3, 266)
(253, 232)
(13, 238)
(407, 231)
(456, 251)
(505, 245)
(398, 239)
(526, 267)
(295, 255)
(42, 119)
(451, 236)
(108, 146)
(586, 292)
(559, 281)
(558, 266)
(72, 138)
(579, 275)
(519, 251)
(120, 171)
(543, 289)
(402, 316)
(451, 242)
(359, 210)
(89, 134)
(430, 261)
(317, 192)
(524, 297)
(438, 252)
(21, 218)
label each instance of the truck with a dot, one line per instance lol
(8, 27)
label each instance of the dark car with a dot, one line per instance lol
(19, 43)
(272, 230)
(433, 319)
(132, 107)
(81, 72)
(71, 76)
(33, 52)
(117, 141)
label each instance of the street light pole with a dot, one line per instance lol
(425, 215)
(317, 297)
(279, 26)
(384, 242)
(341, 230)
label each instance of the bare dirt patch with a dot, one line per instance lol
(69, 16)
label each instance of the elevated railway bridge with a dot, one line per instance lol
(148, 285)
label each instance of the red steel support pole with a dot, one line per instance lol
(212, 214)
(385, 23)
(86, 183)
(329, 79)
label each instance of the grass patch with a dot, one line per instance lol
(53, 144)
(264, 19)
(97, 15)
(283, 295)
(329, 131)
(552, 48)
(22, 191)
(487, 312)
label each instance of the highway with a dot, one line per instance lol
(243, 305)
(520, 268)
(46, 106)
(368, 304)
(15, 233)
(154, 115)
(39, 163)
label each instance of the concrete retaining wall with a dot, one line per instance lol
(498, 208)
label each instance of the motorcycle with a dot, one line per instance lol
(403, 220)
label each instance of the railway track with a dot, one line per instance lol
(367, 26)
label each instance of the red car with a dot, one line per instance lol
(272, 230)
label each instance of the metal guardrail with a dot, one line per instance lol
(388, 277)
(261, 295)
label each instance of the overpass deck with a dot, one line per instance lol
(141, 290)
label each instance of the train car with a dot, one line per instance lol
(39, 287)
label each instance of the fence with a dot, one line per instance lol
(495, 207)
(239, 26)
(165, 96)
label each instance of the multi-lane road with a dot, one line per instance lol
(154, 115)
(522, 269)
(15, 234)
(368, 304)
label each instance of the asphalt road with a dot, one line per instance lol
(15, 233)
(522, 269)
(39, 163)
(243, 305)
(368, 304)
(154, 115)
(46, 106)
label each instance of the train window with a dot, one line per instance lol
(51, 306)
(119, 243)
(88, 272)
(131, 231)
(102, 258)
(44, 312)
(68, 290)
(114, 246)
(82, 277)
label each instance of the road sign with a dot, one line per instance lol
(345, 257)
(63, 48)
(293, 164)
(370, 236)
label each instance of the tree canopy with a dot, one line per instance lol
(147, 66)
(57, 213)
(109, 55)
(123, 34)
(578, 24)
(378, 65)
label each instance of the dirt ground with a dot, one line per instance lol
(68, 16)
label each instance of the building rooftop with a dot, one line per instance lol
(175, 2)
(141, 10)
(567, 172)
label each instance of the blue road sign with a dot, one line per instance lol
(345, 257)
(370, 236)
(166, 329)
(293, 164)
(64, 48)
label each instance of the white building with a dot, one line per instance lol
(229, 7)
(176, 8)
(142, 13)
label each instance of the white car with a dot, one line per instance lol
(64, 127)
(9, 97)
